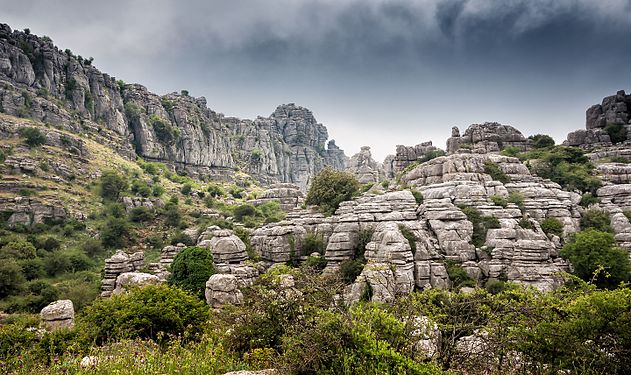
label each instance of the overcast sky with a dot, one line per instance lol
(375, 72)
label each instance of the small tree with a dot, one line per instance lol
(330, 188)
(112, 185)
(592, 251)
(191, 268)
(541, 141)
(34, 137)
(596, 219)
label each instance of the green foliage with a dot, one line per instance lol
(499, 200)
(11, 277)
(617, 132)
(316, 263)
(32, 136)
(240, 212)
(140, 188)
(167, 104)
(313, 243)
(19, 249)
(191, 268)
(458, 276)
(418, 196)
(587, 199)
(115, 233)
(496, 173)
(157, 312)
(235, 191)
(567, 166)
(552, 226)
(112, 185)
(165, 132)
(481, 224)
(186, 189)
(409, 236)
(596, 219)
(526, 223)
(71, 86)
(181, 237)
(140, 214)
(92, 247)
(215, 190)
(591, 250)
(330, 188)
(517, 199)
(133, 111)
(157, 190)
(510, 151)
(627, 214)
(172, 215)
(541, 141)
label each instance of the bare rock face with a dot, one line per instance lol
(615, 109)
(365, 168)
(57, 315)
(27, 211)
(487, 137)
(225, 246)
(289, 196)
(40, 81)
(118, 264)
(223, 289)
(127, 279)
(407, 155)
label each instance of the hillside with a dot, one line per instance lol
(147, 224)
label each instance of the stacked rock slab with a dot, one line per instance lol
(28, 211)
(118, 264)
(364, 167)
(129, 279)
(225, 246)
(487, 137)
(518, 254)
(57, 315)
(223, 289)
(407, 155)
(289, 196)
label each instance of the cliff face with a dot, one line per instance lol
(40, 81)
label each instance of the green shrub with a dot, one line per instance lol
(244, 235)
(617, 132)
(11, 277)
(181, 237)
(350, 269)
(317, 263)
(496, 173)
(215, 190)
(141, 188)
(140, 214)
(499, 200)
(511, 151)
(186, 189)
(33, 136)
(19, 249)
(526, 223)
(594, 256)
(481, 224)
(32, 268)
(588, 199)
(330, 188)
(517, 199)
(409, 236)
(418, 196)
(157, 190)
(172, 215)
(240, 212)
(163, 129)
(541, 141)
(458, 276)
(191, 268)
(271, 211)
(552, 226)
(620, 159)
(115, 233)
(112, 185)
(235, 191)
(92, 247)
(596, 219)
(312, 243)
(156, 312)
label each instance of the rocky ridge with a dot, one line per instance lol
(40, 81)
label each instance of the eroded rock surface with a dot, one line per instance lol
(57, 315)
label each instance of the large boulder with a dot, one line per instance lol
(223, 289)
(129, 279)
(57, 315)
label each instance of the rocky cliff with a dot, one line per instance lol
(40, 81)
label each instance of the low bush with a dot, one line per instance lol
(552, 226)
(140, 214)
(32, 136)
(496, 173)
(596, 219)
(191, 268)
(330, 188)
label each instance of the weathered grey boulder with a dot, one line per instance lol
(57, 315)
(289, 196)
(225, 246)
(487, 137)
(364, 167)
(223, 289)
(127, 279)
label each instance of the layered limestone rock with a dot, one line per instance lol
(289, 196)
(27, 211)
(409, 155)
(365, 168)
(225, 246)
(614, 109)
(57, 315)
(40, 81)
(129, 279)
(223, 289)
(487, 137)
(118, 264)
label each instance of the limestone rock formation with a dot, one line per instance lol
(408, 155)
(57, 315)
(487, 137)
(289, 196)
(225, 246)
(127, 279)
(27, 211)
(365, 168)
(118, 264)
(223, 289)
(40, 81)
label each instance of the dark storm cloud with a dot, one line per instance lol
(415, 67)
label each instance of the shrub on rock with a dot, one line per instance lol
(330, 188)
(191, 268)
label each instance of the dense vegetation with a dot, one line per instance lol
(330, 188)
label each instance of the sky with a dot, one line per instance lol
(374, 72)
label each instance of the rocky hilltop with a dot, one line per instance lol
(40, 81)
